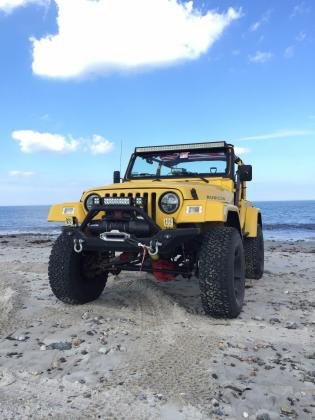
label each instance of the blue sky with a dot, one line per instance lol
(75, 82)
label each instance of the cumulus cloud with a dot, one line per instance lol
(289, 52)
(279, 134)
(100, 146)
(8, 6)
(21, 174)
(106, 35)
(33, 141)
(259, 23)
(260, 57)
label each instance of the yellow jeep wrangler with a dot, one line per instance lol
(179, 210)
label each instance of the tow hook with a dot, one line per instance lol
(154, 249)
(77, 245)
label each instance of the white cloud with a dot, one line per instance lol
(280, 134)
(255, 26)
(33, 141)
(8, 6)
(301, 36)
(289, 52)
(300, 9)
(259, 23)
(21, 174)
(260, 57)
(106, 35)
(241, 150)
(99, 145)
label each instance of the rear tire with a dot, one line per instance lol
(254, 255)
(222, 273)
(74, 278)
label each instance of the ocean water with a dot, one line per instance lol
(286, 220)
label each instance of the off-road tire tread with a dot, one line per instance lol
(252, 256)
(214, 275)
(65, 279)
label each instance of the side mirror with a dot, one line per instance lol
(245, 173)
(116, 177)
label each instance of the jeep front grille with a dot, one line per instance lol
(150, 200)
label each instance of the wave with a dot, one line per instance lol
(289, 226)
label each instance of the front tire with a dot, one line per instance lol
(74, 278)
(254, 255)
(222, 273)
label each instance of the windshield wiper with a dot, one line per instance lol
(198, 175)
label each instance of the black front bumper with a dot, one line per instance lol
(167, 239)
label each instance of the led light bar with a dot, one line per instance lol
(121, 201)
(180, 147)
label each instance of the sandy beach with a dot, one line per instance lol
(144, 350)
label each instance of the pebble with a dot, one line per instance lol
(76, 342)
(273, 321)
(103, 350)
(263, 416)
(21, 338)
(291, 325)
(245, 415)
(43, 347)
(61, 345)
(257, 318)
(215, 402)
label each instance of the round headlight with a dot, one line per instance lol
(169, 202)
(89, 201)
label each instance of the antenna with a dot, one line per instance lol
(121, 145)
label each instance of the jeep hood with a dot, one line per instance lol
(216, 189)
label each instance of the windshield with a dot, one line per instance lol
(179, 164)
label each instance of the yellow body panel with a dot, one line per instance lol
(251, 220)
(215, 201)
(57, 213)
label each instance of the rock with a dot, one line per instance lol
(263, 416)
(311, 355)
(55, 364)
(273, 321)
(257, 318)
(103, 350)
(61, 345)
(22, 338)
(87, 395)
(245, 415)
(288, 411)
(43, 347)
(214, 402)
(291, 325)
(214, 376)
(76, 342)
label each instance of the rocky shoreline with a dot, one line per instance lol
(144, 350)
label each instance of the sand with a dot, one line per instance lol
(145, 350)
